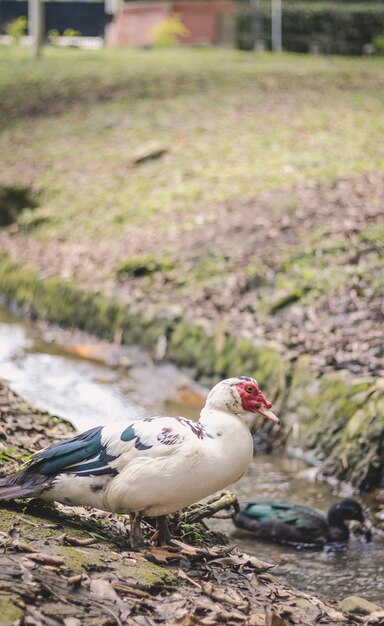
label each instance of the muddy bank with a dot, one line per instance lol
(67, 568)
(337, 417)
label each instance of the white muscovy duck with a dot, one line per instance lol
(151, 467)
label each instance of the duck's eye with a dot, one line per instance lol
(249, 389)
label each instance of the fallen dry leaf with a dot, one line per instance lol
(273, 619)
(75, 541)
(102, 589)
(46, 559)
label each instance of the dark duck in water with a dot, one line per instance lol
(296, 523)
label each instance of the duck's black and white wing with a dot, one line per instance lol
(101, 451)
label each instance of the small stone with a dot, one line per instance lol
(360, 606)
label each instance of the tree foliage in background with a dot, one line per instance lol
(17, 28)
(71, 32)
(329, 28)
(168, 32)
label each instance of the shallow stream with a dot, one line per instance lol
(90, 382)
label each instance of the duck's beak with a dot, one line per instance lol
(361, 527)
(269, 415)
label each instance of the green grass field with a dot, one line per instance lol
(234, 124)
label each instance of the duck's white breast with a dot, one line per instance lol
(162, 485)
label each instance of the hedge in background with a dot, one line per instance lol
(336, 28)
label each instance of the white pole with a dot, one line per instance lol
(276, 26)
(31, 26)
(255, 6)
(38, 27)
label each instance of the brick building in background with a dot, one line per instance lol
(209, 22)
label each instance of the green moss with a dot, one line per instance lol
(339, 419)
(373, 234)
(78, 560)
(215, 353)
(323, 405)
(142, 265)
(358, 454)
(8, 519)
(261, 360)
(286, 299)
(39, 513)
(257, 273)
(10, 455)
(225, 351)
(146, 574)
(10, 612)
(64, 303)
(33, 512)
(104, 554)
(272, 372)
(193, 346)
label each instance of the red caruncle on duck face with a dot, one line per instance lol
(254, 401)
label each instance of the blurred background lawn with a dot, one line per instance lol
(230, 124)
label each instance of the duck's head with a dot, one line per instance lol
(240, 396)
(346, 509)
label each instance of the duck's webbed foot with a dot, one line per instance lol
(162, 536)
(136, 535)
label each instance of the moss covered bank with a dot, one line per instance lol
(336, 417)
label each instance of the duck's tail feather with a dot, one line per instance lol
(24, 484)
